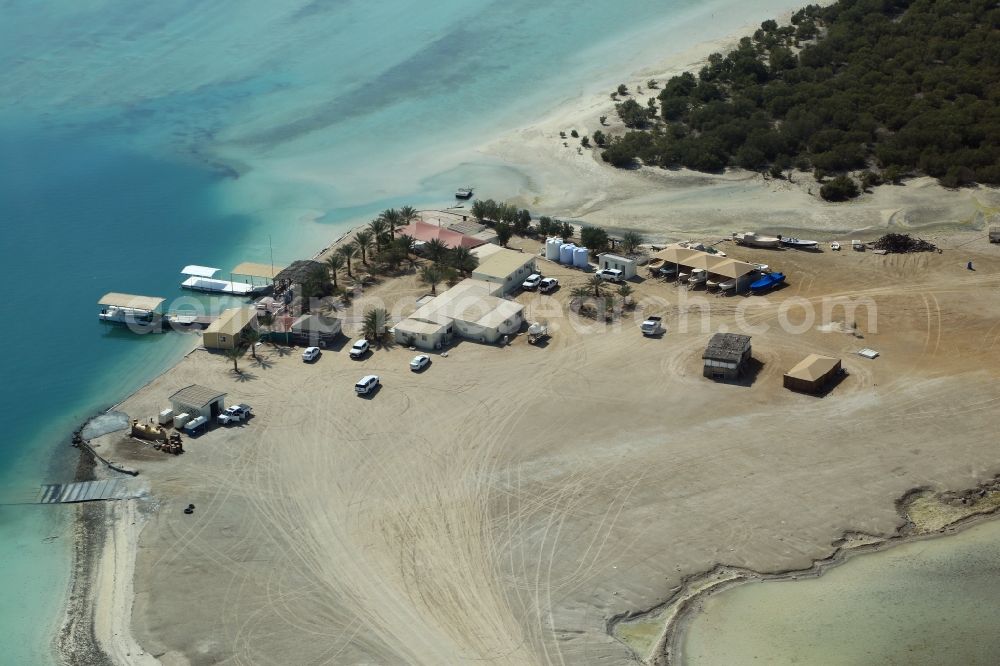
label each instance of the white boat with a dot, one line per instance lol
(136, 312)
(754, 240)
(698, 276)
(798, 242)
(463, 193)
(835, 246)
(202, 278)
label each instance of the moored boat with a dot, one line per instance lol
(463, 193)
(798, 243)
(754, 240)
(766, 282)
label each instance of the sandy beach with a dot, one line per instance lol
(505, 505)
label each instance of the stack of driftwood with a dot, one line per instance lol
(902, 243)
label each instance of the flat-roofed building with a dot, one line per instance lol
(226, 332)
(506, 268)
(626, 265)
(197, 400)
(470, 309)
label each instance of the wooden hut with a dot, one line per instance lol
(727, 356)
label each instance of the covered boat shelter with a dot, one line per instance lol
(202, 278)
(131, 302)
(813, 374)
(732, 272)
(265, 272)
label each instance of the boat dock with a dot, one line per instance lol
(202, 278)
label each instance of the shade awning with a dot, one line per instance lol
(199, 271)
(733, 268)
(257, 270)
(131, 301)
(705, 261)
(676, 255)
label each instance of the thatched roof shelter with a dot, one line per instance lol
(299, 271)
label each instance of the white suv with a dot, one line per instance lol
(547, 285)
(366, 384)
(359, 348)
(610, 274)
(532, 282)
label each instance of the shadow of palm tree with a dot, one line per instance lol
(263, 363)
(244, 377)
(283, 351)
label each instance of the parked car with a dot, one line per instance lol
(196, 426)
(547, 285)
(610, 274)
(359, 348)
(366, 384)
(235, 414)
(531, 282)
(420, 362)
(666, 270)
(310, 354)
(652, 326)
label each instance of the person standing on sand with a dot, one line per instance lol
(969, 266)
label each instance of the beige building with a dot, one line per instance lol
(813, 374)
(471, 309)
(505, 268)
(227, 330)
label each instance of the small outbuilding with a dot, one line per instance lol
(197, 400)
(813, 374)
(226, 332)
(727, 356)
(995, 234)
(426, 334)
(505, 268)
(624, 264)
(313, 330)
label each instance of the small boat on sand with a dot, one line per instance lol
(766, 282)
(835, 246)
(463, 193)
(799, 243)
(754, 240)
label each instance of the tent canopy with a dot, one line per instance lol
(257, 270)
(199, 271)
(676, 255)
(813, 367)
(732, 268)
(149, 303)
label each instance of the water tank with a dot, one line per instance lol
(581, 257)
(552, 248)
(566, 253)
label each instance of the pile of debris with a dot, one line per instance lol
(902, 243)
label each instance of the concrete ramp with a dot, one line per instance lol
(91, 491)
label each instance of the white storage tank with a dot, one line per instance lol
(552, 248)
(581, 257)
(566, 253)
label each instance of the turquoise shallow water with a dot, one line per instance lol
(922, 603)
(137, 138)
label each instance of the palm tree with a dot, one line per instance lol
(431, 275)
(334, 263)
(579, 294)
(364, 240)
(375, 326)
(379, 230)
(463, 260)
(479, 210)
(596, 283)
(348, 251)
(435, 250)
(408, 214)
(392, 221)
(251, 337)
(624, 291)
(631, 241)
(234, 355)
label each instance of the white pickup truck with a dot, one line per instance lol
(652, 326)
(235, 414)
